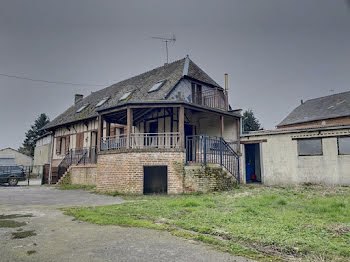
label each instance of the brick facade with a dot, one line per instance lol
(123, 172)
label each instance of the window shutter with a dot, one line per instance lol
(67, 143)
(58, 145)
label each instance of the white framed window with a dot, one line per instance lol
(125, 96)
(82, 108)
(156, 86)
(310, 147)
(104, 100)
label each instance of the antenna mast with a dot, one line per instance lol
(166, 41)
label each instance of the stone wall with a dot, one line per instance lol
(83, 175)
(207, 179)
(123, 172)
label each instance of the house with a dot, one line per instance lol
(14, 156)
(136, 136)
(42, 153)
(311, 145)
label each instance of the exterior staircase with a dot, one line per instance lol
(203, 149)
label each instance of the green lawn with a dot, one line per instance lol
(263, 223)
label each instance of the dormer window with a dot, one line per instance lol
(125, 96)
(104, 100)
(156, 86)
(82, 108)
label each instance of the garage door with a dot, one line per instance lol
(155, 179)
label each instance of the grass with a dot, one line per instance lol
(11, 223)
(14, 216)
(262, 223)
(23, 234)
(76, 187)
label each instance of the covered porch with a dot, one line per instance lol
(162, 126)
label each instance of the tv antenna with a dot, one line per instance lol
(166, 41)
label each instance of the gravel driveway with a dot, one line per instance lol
(60, 238)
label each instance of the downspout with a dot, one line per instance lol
(226, 91)
(51, 156)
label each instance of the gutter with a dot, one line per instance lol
(296, 131)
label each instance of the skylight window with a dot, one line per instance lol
(156, 86)
(82, 108)
(125, 96)
(104, 100)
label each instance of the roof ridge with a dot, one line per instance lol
(326, 96)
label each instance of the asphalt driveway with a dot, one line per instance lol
(60, 238)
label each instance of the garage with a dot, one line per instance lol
(155, 180)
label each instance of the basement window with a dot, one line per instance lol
(125, 96)
(82, 108)
(104, 100)
(310, 147)
(344, 145)
(156, 86)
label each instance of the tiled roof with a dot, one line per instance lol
(139, 85)
(332, 106)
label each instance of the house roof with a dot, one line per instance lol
(139, 86)
(332, 106)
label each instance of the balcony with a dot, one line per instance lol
(141, 141)
(211, 98)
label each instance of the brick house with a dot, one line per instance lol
(151, 133)
(311, 145)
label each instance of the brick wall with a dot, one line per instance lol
(123, 172)
(83, 175)
(207, 179)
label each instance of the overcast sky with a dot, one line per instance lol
(275, 52)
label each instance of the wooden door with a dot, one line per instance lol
(79, 141)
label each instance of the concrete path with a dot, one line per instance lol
(61, 238)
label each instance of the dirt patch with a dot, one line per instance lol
(23, 234)
(30, 252)
(11, 223)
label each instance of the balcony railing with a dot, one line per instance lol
(211, 98)
(141, 141)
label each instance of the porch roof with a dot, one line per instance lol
(167, 103)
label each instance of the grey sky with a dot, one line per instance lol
(275, 52)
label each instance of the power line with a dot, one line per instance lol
(47, 81)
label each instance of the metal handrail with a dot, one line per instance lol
(205, 149)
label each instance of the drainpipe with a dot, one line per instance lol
(51, 156)
(226, 91)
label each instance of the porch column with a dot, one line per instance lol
(182, 126)
(108, 128)
(238, 135)
(222, 126)
(129, 120)
(99, 132)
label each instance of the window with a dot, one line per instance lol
(125, 96)
(310, 147)
(196, 94)
(344, 145)
(82, 108)
(104, 100)
(156, 86)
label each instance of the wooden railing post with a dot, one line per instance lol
(181, 118)
(129, 123)
(205, 151)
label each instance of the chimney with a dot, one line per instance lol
(302, 101)
(226, 90)
(77, 98)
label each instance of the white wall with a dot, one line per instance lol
(281, 164)
(20, 159)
